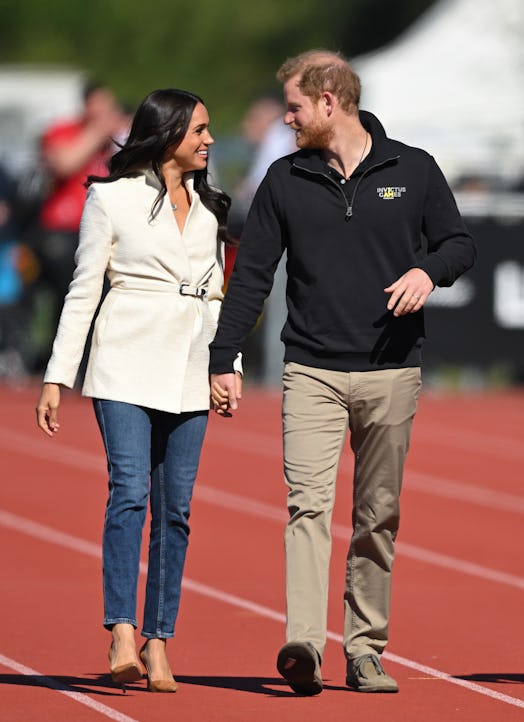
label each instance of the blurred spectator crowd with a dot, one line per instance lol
(40, 213)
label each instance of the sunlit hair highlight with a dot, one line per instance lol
(321, 71)
(161, 121)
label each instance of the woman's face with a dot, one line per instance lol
(192, 152)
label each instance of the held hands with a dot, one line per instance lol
(47, 409)
(226, 391)
(410, 292)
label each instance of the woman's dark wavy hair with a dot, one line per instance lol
(161, 120)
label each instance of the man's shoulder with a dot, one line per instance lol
(283, 166)
(390, 146)
(405, 150)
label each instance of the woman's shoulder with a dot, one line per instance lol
(116, 188)
(125, 181)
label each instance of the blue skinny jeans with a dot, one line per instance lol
(151, 456)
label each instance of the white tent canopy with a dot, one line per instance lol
(31, 97)
(453, 84)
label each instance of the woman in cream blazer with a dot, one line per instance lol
(151, 336)
(156, 230)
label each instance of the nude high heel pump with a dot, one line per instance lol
(167, 684)
(125, 672)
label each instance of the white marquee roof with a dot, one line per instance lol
(453, 84)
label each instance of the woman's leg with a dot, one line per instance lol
(126, 432)
(176, 445)
(175, 453)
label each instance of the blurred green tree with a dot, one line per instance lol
(225, 50)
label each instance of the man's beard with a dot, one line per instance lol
(315, 135)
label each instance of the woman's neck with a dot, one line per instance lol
(173, 175)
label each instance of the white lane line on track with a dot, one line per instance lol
(53, 684)
(48, 534)
(451, 489)
(475, 442)
(71, 456)
(471, 442)
(268, 446)
(235, 502)
(395, 658)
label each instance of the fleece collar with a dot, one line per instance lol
(383, 150)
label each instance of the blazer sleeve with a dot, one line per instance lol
(82, 299)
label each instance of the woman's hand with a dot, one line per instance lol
(226, 390)
(47, 409)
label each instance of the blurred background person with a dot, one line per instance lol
(13, 356)
(71, 150)
(268, 138)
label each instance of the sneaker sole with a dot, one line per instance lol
(297, 664)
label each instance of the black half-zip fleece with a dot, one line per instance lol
(346, 241)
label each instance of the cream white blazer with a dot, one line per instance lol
(150, 341)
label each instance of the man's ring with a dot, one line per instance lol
(415, 297)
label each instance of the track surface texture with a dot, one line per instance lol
(456, 635)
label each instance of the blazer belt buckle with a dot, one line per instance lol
(186, 290)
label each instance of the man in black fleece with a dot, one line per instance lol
(370, 227)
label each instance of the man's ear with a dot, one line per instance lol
(328, 101)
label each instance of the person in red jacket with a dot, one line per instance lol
(370, 227)
(71, 150)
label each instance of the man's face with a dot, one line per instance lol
(307, 118)
(100, 104)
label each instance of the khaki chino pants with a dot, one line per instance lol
(319, 407)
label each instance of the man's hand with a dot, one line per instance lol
(410, 292)
(226, 390)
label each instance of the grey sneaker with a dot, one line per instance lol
(299, 664)
(366, 674)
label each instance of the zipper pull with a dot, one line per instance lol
(349, 213)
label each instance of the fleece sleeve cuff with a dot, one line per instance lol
(222, 361)
(436, 269)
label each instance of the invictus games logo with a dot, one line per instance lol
(390, 192)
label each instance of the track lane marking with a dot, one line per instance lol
(422, 482)
(263, 510)
(476, 442)
(432, 484)
(48, 534)
(51, 683)
(77, 458)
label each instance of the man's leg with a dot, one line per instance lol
(315, 424)
(382, 407)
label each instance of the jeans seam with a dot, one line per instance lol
(161, 570)
(109, 465)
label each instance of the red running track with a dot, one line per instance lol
(456, 630)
